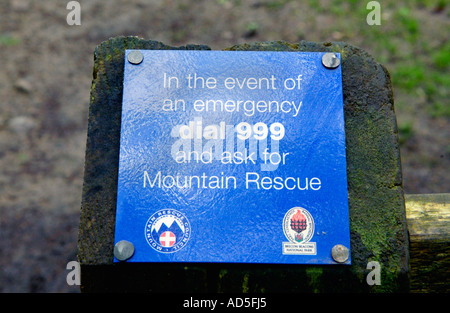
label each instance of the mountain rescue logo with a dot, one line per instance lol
(167, 231)
(298, 227)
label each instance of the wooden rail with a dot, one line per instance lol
(428, 220)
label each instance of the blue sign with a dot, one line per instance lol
(232, 156)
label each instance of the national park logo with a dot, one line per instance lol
(298, 227)
(167, 231)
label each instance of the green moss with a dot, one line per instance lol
(339, 49)
(315, 280)
(245, 288)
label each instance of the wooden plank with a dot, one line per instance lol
(428, 220)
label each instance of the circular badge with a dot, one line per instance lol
(167, 231)
(298, 225)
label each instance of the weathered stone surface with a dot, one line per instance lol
(376, 201)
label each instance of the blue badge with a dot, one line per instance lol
(232, 156)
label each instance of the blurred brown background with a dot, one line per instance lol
(45, 78)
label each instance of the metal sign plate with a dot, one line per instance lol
(229, 156)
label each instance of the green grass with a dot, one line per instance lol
(441, 57)
(8, 40)
(409, 25)
(405, 132)
(418, 61)
(417, 57)
(408, 77)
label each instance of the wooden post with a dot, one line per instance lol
(376, 201)
(428, 219)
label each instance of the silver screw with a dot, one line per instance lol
(340, 253)
(135, 57)
(123, 250)
(330, 60)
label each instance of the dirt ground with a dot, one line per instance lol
(45, 79)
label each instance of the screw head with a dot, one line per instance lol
(135, 57)
(123, 250)
(330, 60)
(340, 253)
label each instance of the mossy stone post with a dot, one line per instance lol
(376, 200)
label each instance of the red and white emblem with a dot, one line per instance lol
(298, 225)
(167, 231)
(167, 239)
